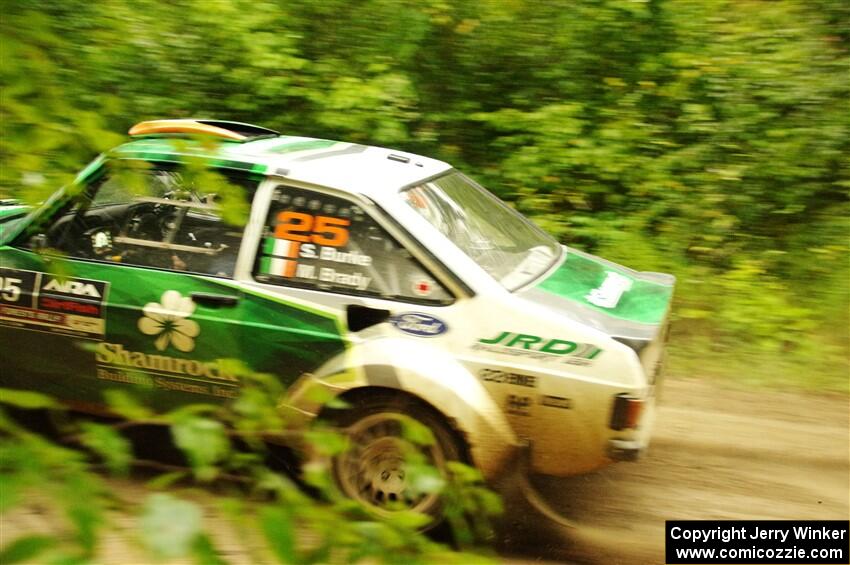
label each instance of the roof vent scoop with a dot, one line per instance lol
(234, 131)
(399, 158)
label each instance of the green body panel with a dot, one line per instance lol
(645, 302)
(265, 333)
(13, 211)
(174, 151)
(10, 219)
(247, 156)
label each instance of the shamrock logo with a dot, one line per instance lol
(168, 321)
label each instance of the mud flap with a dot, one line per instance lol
(522, 499)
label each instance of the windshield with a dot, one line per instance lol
(506, 245)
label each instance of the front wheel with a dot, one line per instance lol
(386, 453)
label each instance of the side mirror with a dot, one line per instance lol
(362, 317)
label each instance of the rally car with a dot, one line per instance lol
(388, 279)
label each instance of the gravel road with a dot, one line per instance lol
(716, 454)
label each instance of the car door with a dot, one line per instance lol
(329, 253)
(128, 287)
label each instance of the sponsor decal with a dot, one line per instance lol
(168, 321)
(556, 401)
(419, 324)
(300, 236)
(279, 257)
(335, 256)
(114, 354)
(357, 280)
(223, 390)
(422, 287)
(610, 291)
(536, 347)
(518, 405)
(504, 377)
(307, 228)
(44, 302)
(70, 286)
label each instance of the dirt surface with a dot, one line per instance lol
(716, 454)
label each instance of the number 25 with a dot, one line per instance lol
(324, 230)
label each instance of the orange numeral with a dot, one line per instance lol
(291, 224)
(333, 227)
(323, 230)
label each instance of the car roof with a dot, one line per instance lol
(351, 167)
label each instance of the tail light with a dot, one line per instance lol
(626, 413)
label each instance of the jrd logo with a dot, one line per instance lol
(538, 344)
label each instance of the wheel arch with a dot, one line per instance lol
(360, 395)
(439, 382)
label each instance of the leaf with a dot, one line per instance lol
(279, 531)
(165, 480)
(417, 432)
(123, 404)
(105, 441)
(464, 474)
(411, 520)
(27, 399)
(423, 478)
(204, 552)
(169, 526)
(25, 548)
(86, 518)
(319, 394)
(204, 441)
(327, 442)
(11, 486)
(337, 403)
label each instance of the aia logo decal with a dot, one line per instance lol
(76, 287)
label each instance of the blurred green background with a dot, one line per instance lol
(704, 138)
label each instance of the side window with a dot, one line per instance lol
(319, 241)
(160, 219)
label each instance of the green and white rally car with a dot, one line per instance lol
(384, 277)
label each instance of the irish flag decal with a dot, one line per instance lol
(279, 257)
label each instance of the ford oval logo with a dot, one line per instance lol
(418, 324)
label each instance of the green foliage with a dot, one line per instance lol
(28, 462)
(169, 526)
(266, 506)
(26, 399)
(205, 442)
(25, 548)
(710, 139)
(109, 444)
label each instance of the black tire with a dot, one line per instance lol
(372, 470)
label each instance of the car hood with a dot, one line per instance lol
(619, 301)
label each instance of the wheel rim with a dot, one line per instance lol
(374, 471)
